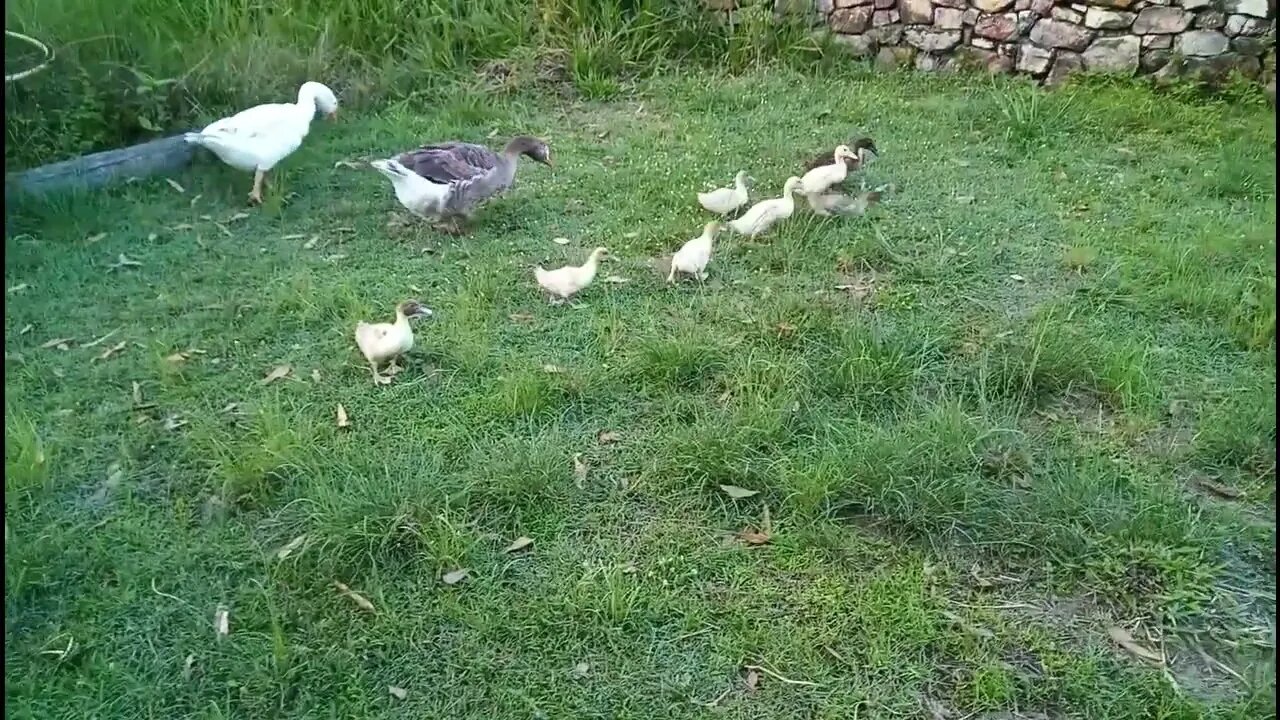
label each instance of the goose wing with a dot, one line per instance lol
(450, 162)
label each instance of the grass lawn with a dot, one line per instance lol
(1028, 401)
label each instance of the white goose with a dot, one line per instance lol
(255, 140)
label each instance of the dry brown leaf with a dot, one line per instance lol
(343, 420)
(17, 288)
(95, 238)
(398, 693)
(137, 393)
(607, 437)
(519, 544)
(355, 597)
(1121, 637)
(784, 328)
(106, 354)
(222, 621)
(278, 372)
(60, 343)
(178, 357)
(1223, 491)
(174, 184)
(454, 577)
(580, 670)
(560, 240)
(123, 261)
(290, 547)
(751, 681)
(580, 470)
(101, 340)
(552, 369)
(751, 536)
(520, 317)
(736, 492)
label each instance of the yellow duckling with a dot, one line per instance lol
(568, 281)
(384, 343)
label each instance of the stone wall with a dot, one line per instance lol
(1050, 39)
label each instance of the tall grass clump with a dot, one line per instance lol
(129, 71)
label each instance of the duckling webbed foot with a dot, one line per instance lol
(378, 378)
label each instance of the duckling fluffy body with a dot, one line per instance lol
(383, 343)
(725, 200)
(764, 214)
(820, 178)
(565, 282)
(693, 256)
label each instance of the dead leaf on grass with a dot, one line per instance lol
(751, 536)
(519, 544)
(736, 492)
(222, 621)
(975, 630)
(60, 343)
(278, 372)
(454, 577)
(607, 437)
(751, 681)
(347, 164)
(343, 420)
(95, 238)
(106, 354)
(173, 422)
(179, 357)
(295, 236)
(937, 709)
(361, 601)
(181, 227)
(311, 243)
(631, 235)
(188, 667)
(560, 240)
(398, 693)
(520, 317)
(290, 547)
(17, 288)
(993, 581)
(615, 279)
(26, 329)
(580, 670)
(1017, 278)
(123, 261)
(580, 470)
(1223, 491)
(238, 217)
(784, 329)
(102, 339)
(1121, 637)
(174, 184)
(137, 393)
(334, 258)
(552, 369)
